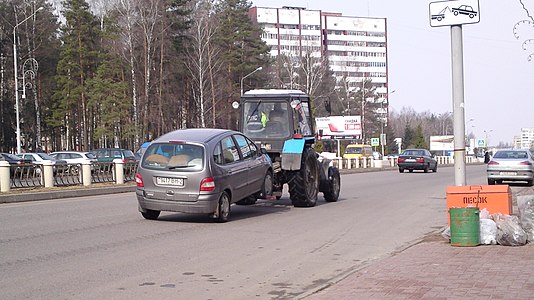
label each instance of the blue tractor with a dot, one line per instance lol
(280, 121)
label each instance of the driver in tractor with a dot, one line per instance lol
(277, 125)
(256, 119)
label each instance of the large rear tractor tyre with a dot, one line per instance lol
(334, 185)
(304, 184)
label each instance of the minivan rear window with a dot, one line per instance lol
(176, 157)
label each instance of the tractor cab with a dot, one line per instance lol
(270, 117)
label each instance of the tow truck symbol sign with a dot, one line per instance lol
(458, 12)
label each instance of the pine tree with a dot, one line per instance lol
(408, 139)
(419, 141)
(244, 50)
(77, 64)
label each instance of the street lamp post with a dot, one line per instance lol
(15, 67)
(486, 133)
(243, 78)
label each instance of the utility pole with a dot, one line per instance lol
(363, 110)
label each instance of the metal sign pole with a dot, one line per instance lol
(458, 104)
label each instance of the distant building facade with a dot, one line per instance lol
(527, 138)
(356, 48)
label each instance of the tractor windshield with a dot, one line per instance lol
(266, 119)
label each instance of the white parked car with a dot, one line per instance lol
(41, 158)
(75, 158)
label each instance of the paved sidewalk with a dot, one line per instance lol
(433, 269)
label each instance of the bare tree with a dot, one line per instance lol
(202, 57)
(127, 11)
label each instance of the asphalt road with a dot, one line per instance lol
(99, 247)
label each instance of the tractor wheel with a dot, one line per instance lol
(334, 185)
(304, 184)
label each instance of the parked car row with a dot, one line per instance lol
(65, 158)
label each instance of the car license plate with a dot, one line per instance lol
(508, 173)
(170, 181)
(410, 160)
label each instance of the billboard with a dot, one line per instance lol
(441, 142)
(339, 127)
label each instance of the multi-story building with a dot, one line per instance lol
(356, 47)
(527, 138)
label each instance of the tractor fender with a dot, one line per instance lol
(292, 154)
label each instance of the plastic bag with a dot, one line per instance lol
(509, 231)
(484, 214)
(526, 215)
(446, 233)
(488, 232)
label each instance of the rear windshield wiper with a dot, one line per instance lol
(178, 167)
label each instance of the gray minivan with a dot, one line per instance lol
(201, 170)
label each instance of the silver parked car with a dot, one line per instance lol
(201, 171)
(511, 165)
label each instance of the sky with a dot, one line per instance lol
(498, 76)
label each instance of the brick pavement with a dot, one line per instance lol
(433, 269)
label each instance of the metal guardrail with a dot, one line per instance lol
(25, 176)
(65, 175)
(103, 172)
(29, 176)
(130, 169)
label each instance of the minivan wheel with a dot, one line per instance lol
(267, 187)
(223, 208)
(151, 214)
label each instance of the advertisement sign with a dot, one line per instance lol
(339, 127)
(441, 142)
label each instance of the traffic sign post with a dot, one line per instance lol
(375, 142)
(454, 13)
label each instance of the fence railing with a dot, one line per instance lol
(48, 175)
(370, 162)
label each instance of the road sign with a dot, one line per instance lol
(375, 141)
(481, 143)
(447, 13)
(383, 139)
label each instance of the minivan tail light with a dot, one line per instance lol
(207, 184)
(139, 180)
